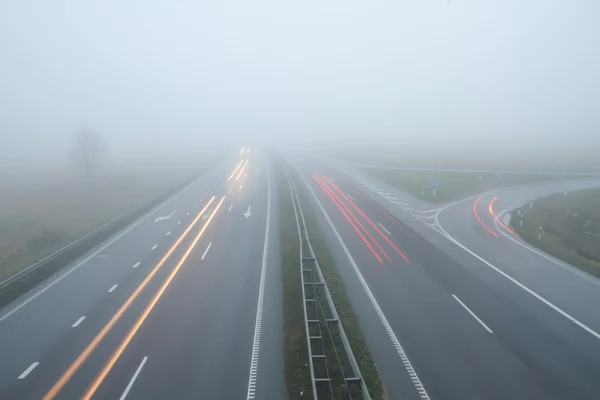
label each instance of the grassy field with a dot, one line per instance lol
(39, 214)
(452, 185)
(571, 228)
(338, 293)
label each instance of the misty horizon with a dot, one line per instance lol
(182, 78)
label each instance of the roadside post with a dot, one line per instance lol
(540, 234)
(434, 185)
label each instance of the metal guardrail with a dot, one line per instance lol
(324, 330)
(38, 264)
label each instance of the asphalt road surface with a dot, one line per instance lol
(179, 307)
(450, 310)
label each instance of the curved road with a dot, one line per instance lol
(468, 314)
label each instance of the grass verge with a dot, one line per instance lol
(39, 215)
(55, 264)
(340, 298)
(297, 374)
(571, 228)
(453, 185)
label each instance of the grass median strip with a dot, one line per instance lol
(338, 293)
(297, 373)
(570, 227)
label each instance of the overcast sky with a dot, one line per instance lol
(177, 75)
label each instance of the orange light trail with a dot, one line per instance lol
(235, 170)
(479, 219)
(74, 367)
(241, 171)
(115, 356)
(491, 208)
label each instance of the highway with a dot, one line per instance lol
(185, 303)
(450, 310)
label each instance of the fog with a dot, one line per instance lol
(177, 79)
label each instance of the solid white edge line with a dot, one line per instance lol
(587, 328)
(79, 321)
(396, 343)
(112, 289)
(206, 251)
(513, 280)
(77, 266)
(251, 393)
(504, 274)
(137, 264)
(472, 314)
(382, 227)
(28, 370)
(133, 378)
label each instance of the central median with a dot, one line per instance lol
(337, 365)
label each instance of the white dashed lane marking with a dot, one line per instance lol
(133, 378)
(206, 251)
(28, 370)
(472, 314)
